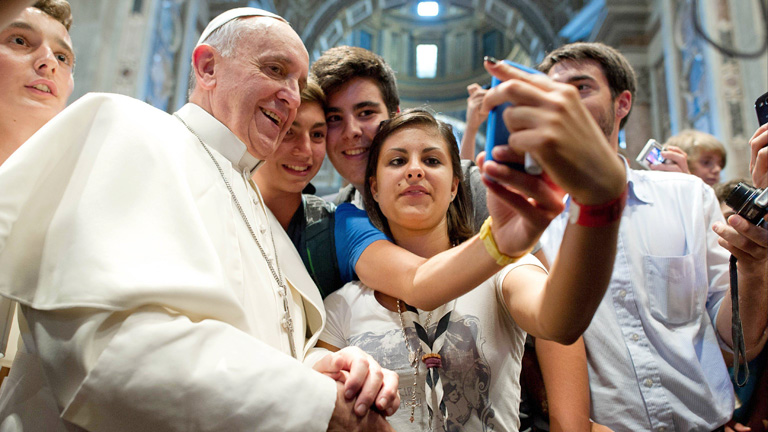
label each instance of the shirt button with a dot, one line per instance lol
(648, 382)
(635, 337)
(263, 228)
(623, 293)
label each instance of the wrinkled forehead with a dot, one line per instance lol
(276, 35)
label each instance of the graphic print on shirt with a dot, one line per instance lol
(465, 373)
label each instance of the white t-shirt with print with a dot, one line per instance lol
(480, 357)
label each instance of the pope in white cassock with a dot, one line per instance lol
(157, 291)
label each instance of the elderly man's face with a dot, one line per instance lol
(36, 61)
(258, 89)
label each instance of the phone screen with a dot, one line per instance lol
(654, 156)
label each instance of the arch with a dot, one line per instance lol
(335, 18)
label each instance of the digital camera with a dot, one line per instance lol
(749, 202)
(651, 154)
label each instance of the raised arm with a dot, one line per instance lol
(475, 117)
(552, 123)
(429, 283)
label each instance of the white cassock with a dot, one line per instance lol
(147, 304)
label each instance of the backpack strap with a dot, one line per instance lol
(319, 247)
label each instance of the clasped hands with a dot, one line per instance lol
(366, 392)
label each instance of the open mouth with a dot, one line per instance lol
(301, 169)
(42, 87)
(355, 151)
(272, 116)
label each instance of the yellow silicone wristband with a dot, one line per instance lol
(490, 245)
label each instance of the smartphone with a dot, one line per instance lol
(761, 106)
(651, 154)
(497, 133)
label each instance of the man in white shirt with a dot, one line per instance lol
(157, 290)
(654, 345)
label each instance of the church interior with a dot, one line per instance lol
(700, 63)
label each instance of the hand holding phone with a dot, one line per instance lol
(651, 154)
(497, 133)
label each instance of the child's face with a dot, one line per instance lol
(708, 167)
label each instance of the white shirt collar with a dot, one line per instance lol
(218, 137)
(637, 185)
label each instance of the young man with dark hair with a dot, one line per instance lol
(361, 92)
(654, 345)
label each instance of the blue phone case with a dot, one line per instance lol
(497, 133)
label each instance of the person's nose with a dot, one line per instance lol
(352, 129)
(414, 171)
(291, 93)
(303, 146)
(46, 63)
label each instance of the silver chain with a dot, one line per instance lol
(287, 321)
(413, 359)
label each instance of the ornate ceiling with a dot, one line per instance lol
(521, 30)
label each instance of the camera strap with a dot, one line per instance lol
(737, 330)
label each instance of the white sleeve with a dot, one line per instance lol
(337, 312)
(135, 328)
(717, 256)
(152, 369)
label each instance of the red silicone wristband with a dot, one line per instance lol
(597, 215)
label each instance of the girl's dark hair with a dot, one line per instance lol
(460, 226)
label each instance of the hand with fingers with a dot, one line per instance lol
(344, 419)
(758, 162)
(475, 113)
(363, 382)
(549, 121)
(675, 160)
(747, 242)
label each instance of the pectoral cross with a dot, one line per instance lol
(287, 321)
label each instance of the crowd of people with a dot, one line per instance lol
(175, 272)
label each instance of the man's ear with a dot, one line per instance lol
(623, 104)
(204, 64)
